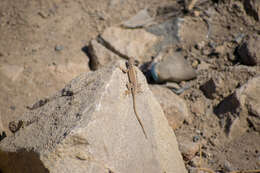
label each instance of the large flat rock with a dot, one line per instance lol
(90, 126)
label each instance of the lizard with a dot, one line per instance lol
(132, 87)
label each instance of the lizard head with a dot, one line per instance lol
(131, 60)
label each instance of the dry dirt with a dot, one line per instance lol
(42, 48)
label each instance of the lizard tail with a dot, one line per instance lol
(137, 117)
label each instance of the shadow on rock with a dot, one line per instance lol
(21, 162)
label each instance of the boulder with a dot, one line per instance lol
(174, 107)
(127, 43)
(90, 126)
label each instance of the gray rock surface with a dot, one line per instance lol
(174, 107)
(135, 43)
(90, 126)
(184, 30)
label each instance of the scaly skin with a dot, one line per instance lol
(132, 86)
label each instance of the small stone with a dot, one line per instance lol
(12, 107)
(196, 138)
(195, 64)
(188, 148)
(203, 66)
(220, 49)
(198, 108)
(14, 126)
(172, 85)
(195, 162)
(206, 52)
(59, 48)
(196, 13)
(200, 45)
(209, 88)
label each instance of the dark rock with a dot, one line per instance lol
(249, 51)
(209, 88)
(254, 122)
(252, 8)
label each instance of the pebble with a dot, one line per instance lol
(195, 64)
(59, 48)
(196, 138)
(200, 45)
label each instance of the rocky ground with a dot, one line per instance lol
(45, 44)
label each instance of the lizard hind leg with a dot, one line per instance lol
(129, 87)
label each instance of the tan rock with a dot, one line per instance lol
(236, 128)
(100, 56)
(132, 43)
(189, 149)
(90, 126)
(174, 107)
